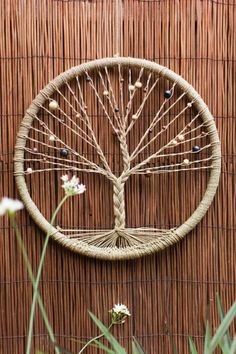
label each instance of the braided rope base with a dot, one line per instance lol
(137, 241)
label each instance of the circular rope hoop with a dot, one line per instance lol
(122, 105)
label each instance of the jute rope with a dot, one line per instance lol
(120, 242)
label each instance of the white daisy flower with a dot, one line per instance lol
(72, 185)
(8, 205)
(65, 178)
(81, 188)
(119, 313)
(120, 308)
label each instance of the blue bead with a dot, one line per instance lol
(167, 94)
(63, 152)
(195, 148)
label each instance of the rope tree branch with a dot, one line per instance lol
(152, 125)
(73, 152)
(146, 96)
(132, 91)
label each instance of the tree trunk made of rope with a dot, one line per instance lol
(119, 204)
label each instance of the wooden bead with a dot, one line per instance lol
(53, 105)
(174, 142)
(181, 137)
(189, 104)
(148, 173)
(29, 170)
(105, 93)
(134, 116)
(138, 84)
(131, 87)
(52, 138)
(186, 162)
(35, 149)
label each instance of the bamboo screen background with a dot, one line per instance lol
(167, 293)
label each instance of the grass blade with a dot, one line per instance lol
(103, 347)
(207, 338)
(115, 344)
(226, 343)
(233, 346)
(134, 348)
(223, 328)
(192, 346)
(137, 346)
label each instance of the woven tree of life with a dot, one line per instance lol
(120, 119)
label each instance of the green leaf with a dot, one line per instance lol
(134, 348)
(115, 344)
(192, 346)
(207, 338)
(102, 346)
(223, 348)
(99, 345)
(226, 342)
(220, 308)
(223, 328)
(233, 346)
(137, 349)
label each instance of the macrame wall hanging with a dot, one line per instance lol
(158, 125)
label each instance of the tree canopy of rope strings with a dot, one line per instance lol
(159, 125)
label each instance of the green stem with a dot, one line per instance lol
(39, 275)
(31, 275)
(93, 339)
